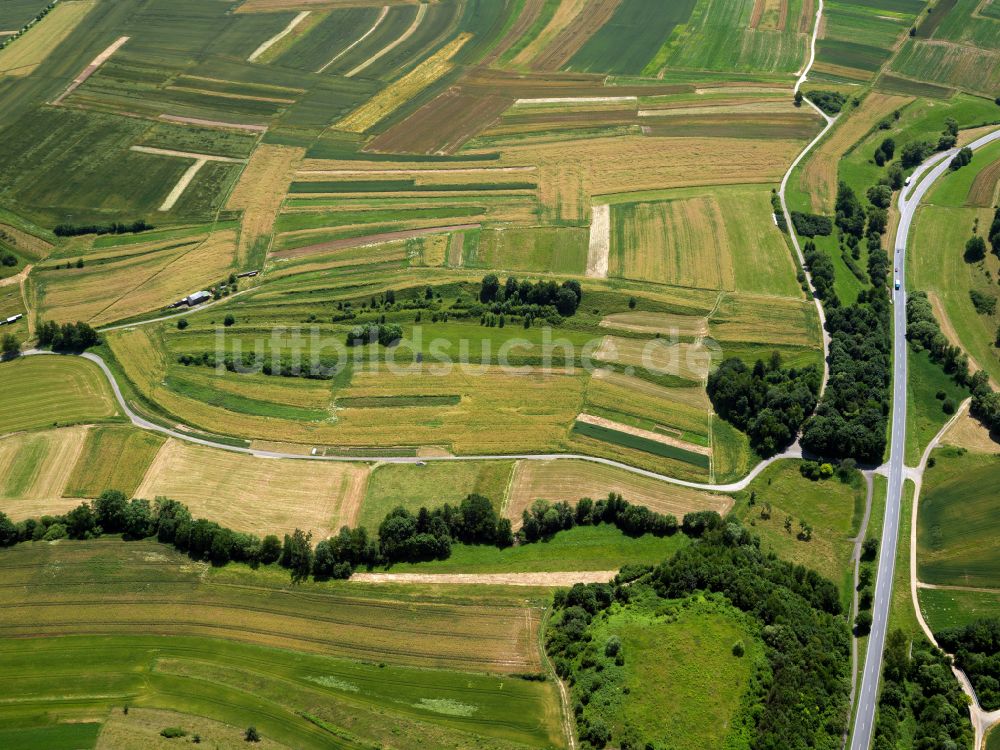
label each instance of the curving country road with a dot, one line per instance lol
(139, 421)
(909, 199)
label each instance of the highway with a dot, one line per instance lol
(909, 199)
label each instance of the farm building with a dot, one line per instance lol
(197, 298)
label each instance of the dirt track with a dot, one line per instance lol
(495, 579)
(371, 239)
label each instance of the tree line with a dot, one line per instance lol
(402, 536)
(514, 295)
(800, 700)
(72, 230)
(68, 337)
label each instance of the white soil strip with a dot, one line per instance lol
(496, 579)
(421, 12)
(577, 100)
(600, 242)
(185, 154)
(91, 69)
(182, 184)
(647, 434)
(430, 171)
(378, 22)
(214, 123)
(279, 36)
(200, 160)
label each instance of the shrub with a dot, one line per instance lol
(173, 732)
(182, 324)
(739, 649)
(810, 225)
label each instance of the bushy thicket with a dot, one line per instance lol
(850, 421)
(384, 334)
(976, 648)
(319, 368)
(71, 230)
(768, 402)
(68, 337)
(850, 213)
(810, 225)
(830, 102)
(544, 519)
(919, 694)
(802, 700)
(822, 272)
(994, 233)
(923, 332)
(517, 297)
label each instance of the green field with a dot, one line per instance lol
(272, 668)
(113, 458)
(47, 391)
(431, 486)
(832, 508)
(601, 547)
(957, 523)
(684, 684)
(947, 609)
(925, 413)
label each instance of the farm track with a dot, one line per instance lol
(421, 12)
(279, 36)
(356, 42)
(90, 70)
(490, 579)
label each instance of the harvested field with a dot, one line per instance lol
(393, 96)
(682, 242)
(375, 239)
(489, 579)
(983, 192)
(112, 458)
(571, 480)
(259, 193)
(688, 361)
(765, 320)
(143, 278)
(819, 174)
(600, 242)
(26, 244)
(629, 164)
(662, 323)
(969, 433)
(34, 468)
(49, 390)
(256, 494)
(681, 412)
(22, 56)
(575, 34)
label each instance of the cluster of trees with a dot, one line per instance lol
(807, 642)
(976, 647)
(915, 152)
(10, 347)
(544, 520)
(72, 230)
(68, 337)
(514, 295)
(961, 159)
(402, 536)
(383, 333)
(810, 225)
(850, 213)
(924, 333)
(850, 421)
(779, 214)
(7, 258)
(885, 151)
(975, 249)
(921, 701)
(768, 402)
(830, 102)
(822, 271)
(320, 368)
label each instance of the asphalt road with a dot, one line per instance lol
(909, 199)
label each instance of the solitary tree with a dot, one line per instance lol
(11, 346)
(251, 735)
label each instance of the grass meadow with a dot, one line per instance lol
(925, 414)
(958, 518)
(347, 684)
(113, 458)
(51, 391)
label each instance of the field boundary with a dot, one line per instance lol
(265, 46)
